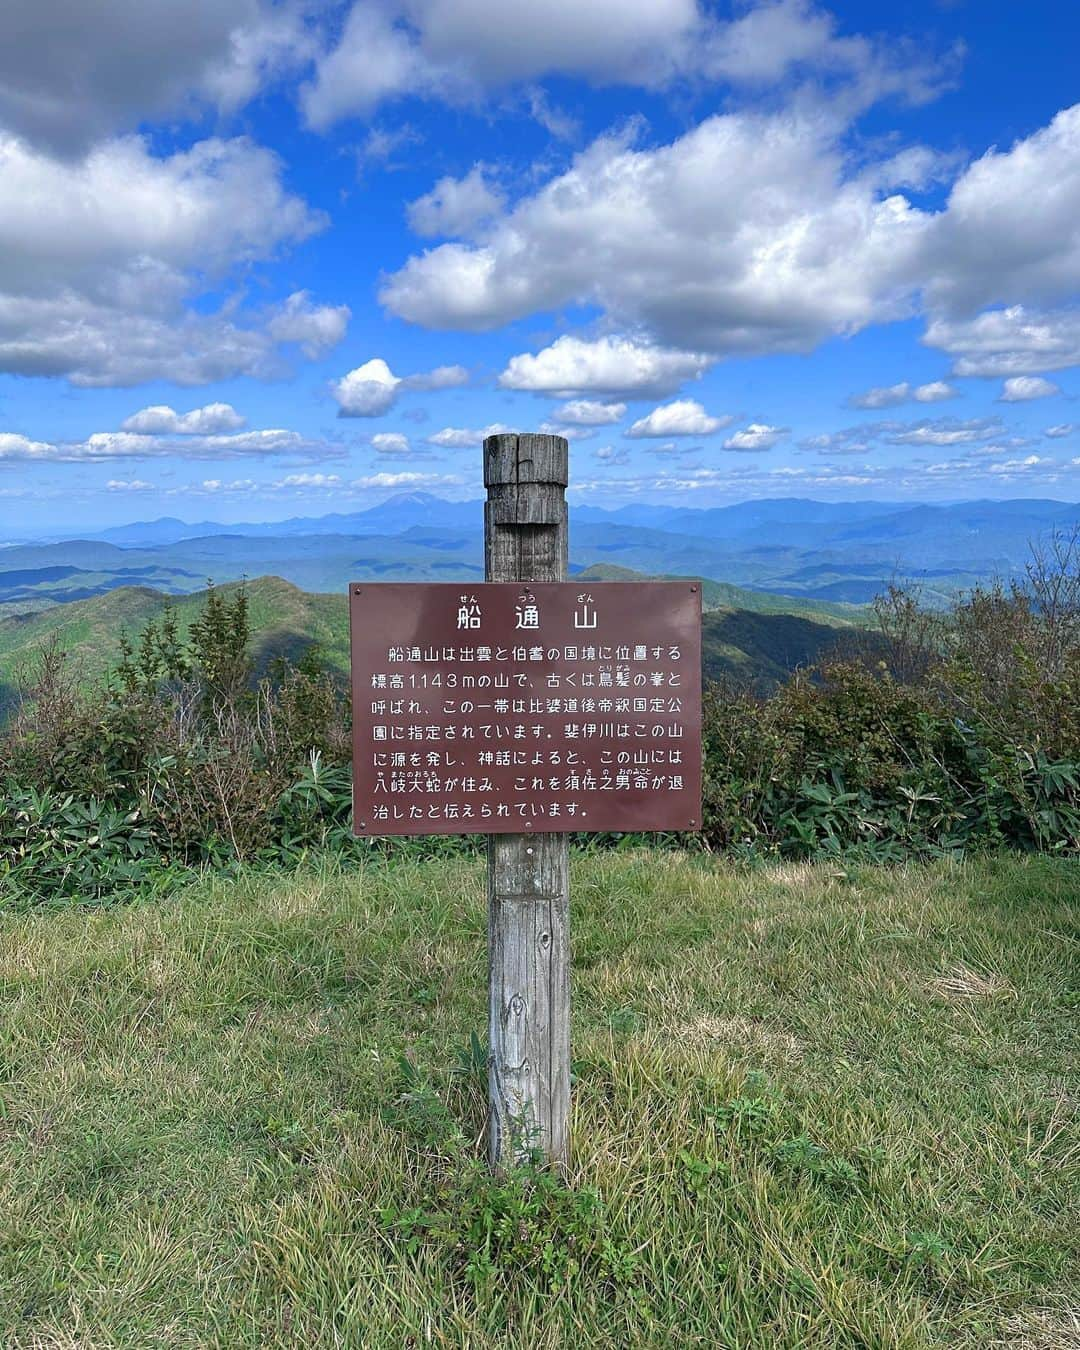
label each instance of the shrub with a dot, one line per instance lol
(188, 759)
(844, 759)
(54, 848)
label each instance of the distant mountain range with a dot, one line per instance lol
(837, 552)
(392, 516)
(775, 515)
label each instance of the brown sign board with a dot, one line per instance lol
(502, 707)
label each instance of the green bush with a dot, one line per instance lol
(846, 760)
(55, 848)
(967, 733)
(849, 759)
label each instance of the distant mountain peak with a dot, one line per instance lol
(410, 499)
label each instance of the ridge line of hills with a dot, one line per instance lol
(758, 646)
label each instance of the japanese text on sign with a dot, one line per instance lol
(504, 707)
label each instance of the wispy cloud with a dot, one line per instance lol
(890, 396)
(115, 445)
(466, 438)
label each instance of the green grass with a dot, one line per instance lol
(818, 1107)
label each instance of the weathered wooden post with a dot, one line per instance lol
(526, 708)
(525, 539)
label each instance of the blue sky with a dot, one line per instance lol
(266, 259)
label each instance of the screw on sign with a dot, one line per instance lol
(526, 708)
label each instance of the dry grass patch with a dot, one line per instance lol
(964, 983)
(1042, 1329)
(738, 1033)
(800, 875)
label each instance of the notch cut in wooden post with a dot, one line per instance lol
(525, 539)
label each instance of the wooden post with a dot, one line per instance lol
(525, 539)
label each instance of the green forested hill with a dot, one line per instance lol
(725, 595)
(754, 637)
(761, 650)
(759, 647)
(284, 619)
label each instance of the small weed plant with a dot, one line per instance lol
(485, 1226)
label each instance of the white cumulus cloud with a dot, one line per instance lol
(461, 50)
(684, 417)
(368, 391)
(1010, 231)
(675, 239)
(1016, 340)
(102, 260)
(1024, 388)
(317, 328)
(587, 412)
(73, 73)
(160, 419)
(757, 436)
(464, 438)
(372, 389)
(15, 446)
(390, 443)
(453, 50)
(757, 232)
(455, 206)
(606, 365)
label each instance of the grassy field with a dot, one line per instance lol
(813, 1108)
